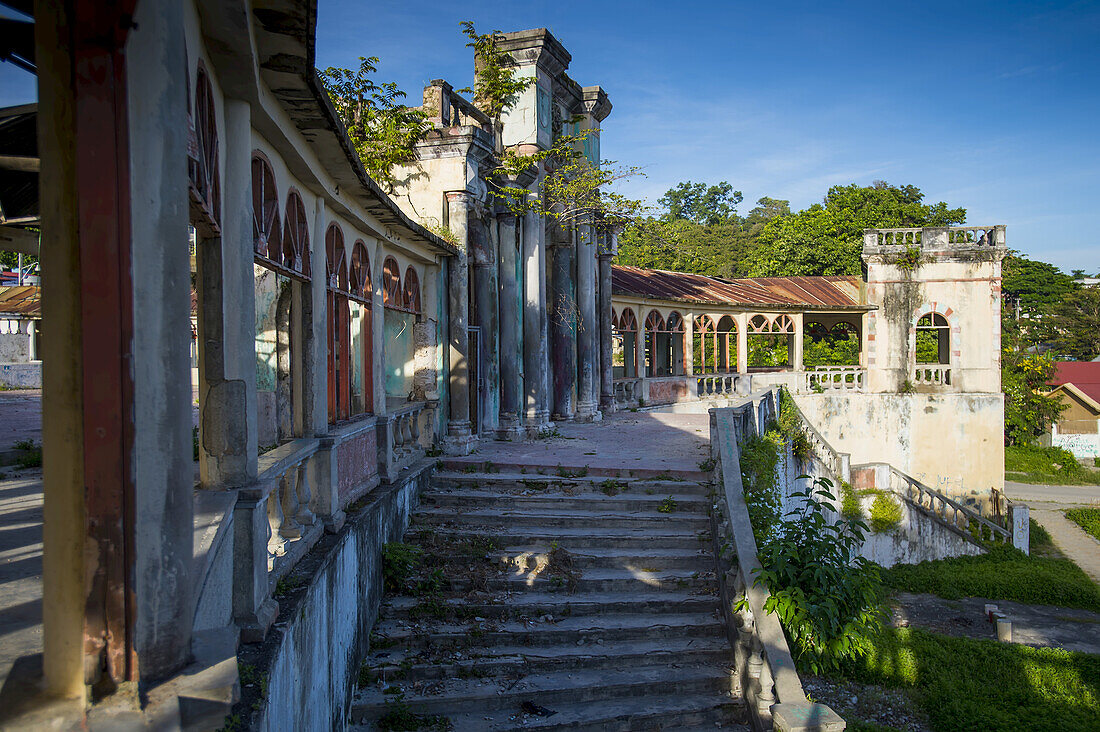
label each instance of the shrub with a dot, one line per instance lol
(1037, 464)
(759, 458)
(849, 502)
(30, 454)
(1087, 518)
(399, 563)
(828, 597)
(1004, 573)
(885, 513)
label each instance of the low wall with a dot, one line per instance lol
(21, 375)
(953, 443)
(1082, 446)
(312, 654)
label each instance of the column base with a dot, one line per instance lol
(254, 629)
(587, 412)
(510, 428)
(459, 444)
(607, 406)
(536, 422)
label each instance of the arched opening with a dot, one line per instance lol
(725, 345)
(654, 324)
(399, 322)
(624, 340)
(266, 233)
(933, 339)
(835, 345)
(360, 329)
(769, 342)
(202, 166)
(339, 326)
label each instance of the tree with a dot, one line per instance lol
(1029, 412)
(496, 87)
(1037, 286)
(708, 205)
(383, 131)
(827, 238)
(1074, 324)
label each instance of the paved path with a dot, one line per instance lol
(20, 568)
(1032, 625)
(625, 440)
(20, 417)
(1048, 504)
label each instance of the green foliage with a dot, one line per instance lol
(841, 350)
(1073, 325)
(910, 259)
(1004, 573)
(668, 505)
(1050, 465)
(701, 204)
(759, 459)
(1039, 540)
(968, 684)
(828, 597)
(1087, 518)
(827, 238)
(885, 513)
(850, 507)
(399, 563)
(30, 454)
(383, 130)
(399, 717)
(1024, 375)
(1037, 285)
(496, 87)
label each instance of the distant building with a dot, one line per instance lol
(20, 316)
(1077, 385)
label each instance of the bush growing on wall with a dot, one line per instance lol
(827, 596)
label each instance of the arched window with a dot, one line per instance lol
(760, 324)
(295, 255)
(654, 322)
(265, 209)
(203, 166)
(627, 322)
(783, 324)
(675, 322)
(337, 266)
(360, 273)
(339, 332)
(391, 284)
(933, 339)
(412, 291)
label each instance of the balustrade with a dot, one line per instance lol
(931, 375)
(627, 391)
(836, 378)
(947, 510)
(399, 433)
(717, 385)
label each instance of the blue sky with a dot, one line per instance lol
(994, 106)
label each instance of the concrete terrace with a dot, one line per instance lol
(626, 444)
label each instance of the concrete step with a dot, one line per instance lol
(456, 696)
(397, 666)
(449, 636)
(466, 498)
(551, 483)
(642, 558)
(473, 465)
(578, 539)
(534, 605)
(585, 580)
(595, 521)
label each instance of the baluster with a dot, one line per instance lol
(414, 426)
(305, 515)
(395, 427)
(756, 661)
(288, 499)
(406, 429)
(276, 544)
(766, 697)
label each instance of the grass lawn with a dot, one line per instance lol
(1087, 518)
(1049, 465)
(1002, 574)
(967, 684)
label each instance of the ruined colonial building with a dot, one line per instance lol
(189, 150)
(934, 411)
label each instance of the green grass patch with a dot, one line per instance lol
(1004, 573)
(968, 684)
(1050, 465)
(1087, 518)
(1039, 541)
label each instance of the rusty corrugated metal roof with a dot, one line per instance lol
(812, 293)
(21, 300)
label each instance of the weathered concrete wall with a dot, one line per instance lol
(15, 343)
(399, 353)
(951, 442)
(917, 538)
(21, 375)
(318, 651)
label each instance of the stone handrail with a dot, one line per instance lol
(935, 504)
(925, 374)
(765, 669)
(936, 237)
(399, 433)
(834, 378)
(627, 390)
(707, 385)
(285, 470)
(837, 464)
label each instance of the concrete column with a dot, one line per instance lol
(742, 343)
(483, 254)
(588, 327)
(607, 388)
(161, 459)
(797, 346)
(226, 321)
(315, 343)
(536, 383)
(563, 325)
(459, 440)
(689, 344)
(511, 384)
(378, 330)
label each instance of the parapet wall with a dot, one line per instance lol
(951, 442)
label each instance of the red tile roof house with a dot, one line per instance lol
(1077, 385)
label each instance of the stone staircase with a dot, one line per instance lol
(558, 601)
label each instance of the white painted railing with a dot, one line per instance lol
(707, 385)
(400, 436)
(935, 504)
(836, 378)
(627, 390)
(931, 375)
(284, 471)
